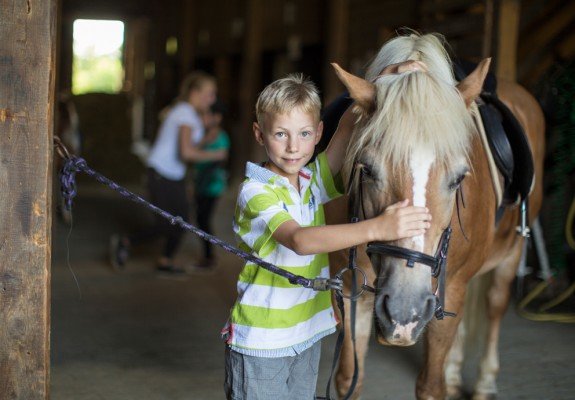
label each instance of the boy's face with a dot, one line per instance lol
(289, 140)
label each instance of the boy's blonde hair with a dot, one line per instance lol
(286, 94)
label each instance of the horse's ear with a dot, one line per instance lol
(470, 87)
(360, 90)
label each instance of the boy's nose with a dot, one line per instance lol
(293, 145)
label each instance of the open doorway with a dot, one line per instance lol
(97, 64)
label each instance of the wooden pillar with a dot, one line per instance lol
(250, 78)
(337, 46)
(188, 39)
(487, 29)
(27, 76)
(508, 37)
(223, 73)
(135, 56)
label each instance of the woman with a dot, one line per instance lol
(178, 141)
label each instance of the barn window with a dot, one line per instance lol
(97, 65)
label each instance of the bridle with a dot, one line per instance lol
(437, 263)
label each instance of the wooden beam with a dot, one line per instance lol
(188, 38)
(27, 76)
(542, 37)
(223, 73)
(337, 46)
(508, 36)
(487, 29)
(445, 6)
(564, 50)
(250, 77)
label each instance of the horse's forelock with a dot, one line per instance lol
(416, 111)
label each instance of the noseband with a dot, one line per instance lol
(437, 263)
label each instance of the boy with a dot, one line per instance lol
(274, 331)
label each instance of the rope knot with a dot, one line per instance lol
(68, 179)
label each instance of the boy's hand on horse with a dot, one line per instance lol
(405, 66)
(400, 221)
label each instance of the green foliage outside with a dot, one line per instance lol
(102, 74)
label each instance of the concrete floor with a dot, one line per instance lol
(134, 335)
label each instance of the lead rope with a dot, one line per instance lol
(74, 164)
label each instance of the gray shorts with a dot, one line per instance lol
(261, 378)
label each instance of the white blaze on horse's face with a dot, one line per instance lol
(420, 163)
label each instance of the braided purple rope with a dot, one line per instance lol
(75, 164)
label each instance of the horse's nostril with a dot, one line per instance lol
(381, 308)
(385, 309)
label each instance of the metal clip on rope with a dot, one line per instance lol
(323, 284)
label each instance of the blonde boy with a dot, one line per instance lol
(274, 330)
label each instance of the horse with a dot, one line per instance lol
(414, 138)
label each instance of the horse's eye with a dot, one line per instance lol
(366, 171)
(455, 184)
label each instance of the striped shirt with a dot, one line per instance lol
(271, 317)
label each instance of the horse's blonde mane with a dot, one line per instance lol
(414, 110)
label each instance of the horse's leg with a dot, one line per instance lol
(362, 333)
(454, 364)
(497, 302)
(438, 340)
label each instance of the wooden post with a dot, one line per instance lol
(337, 45)
(188, 42)
(27, 75)
(487, 29)
(508, 37)
(250, 76)
(223, 73)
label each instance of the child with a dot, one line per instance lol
(274, 330)
(210, 179)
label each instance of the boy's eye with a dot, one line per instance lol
(306, 133)
(280, 134)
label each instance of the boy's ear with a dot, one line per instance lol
(360, 90)
(258, 134)
(319, 132)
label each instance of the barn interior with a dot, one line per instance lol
(132, 334)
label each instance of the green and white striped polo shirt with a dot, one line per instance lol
(271, 317)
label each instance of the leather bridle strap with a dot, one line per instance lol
(437, 264)
(409, 255)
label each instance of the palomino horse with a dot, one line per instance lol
(415, 139)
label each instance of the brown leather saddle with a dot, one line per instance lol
(507, 140)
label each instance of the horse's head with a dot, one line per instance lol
(411, 141)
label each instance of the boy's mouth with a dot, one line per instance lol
(291, 160)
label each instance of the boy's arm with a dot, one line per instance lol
(191, 152)
(397, 221)
(337, 146)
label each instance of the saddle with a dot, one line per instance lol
(507, 141)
